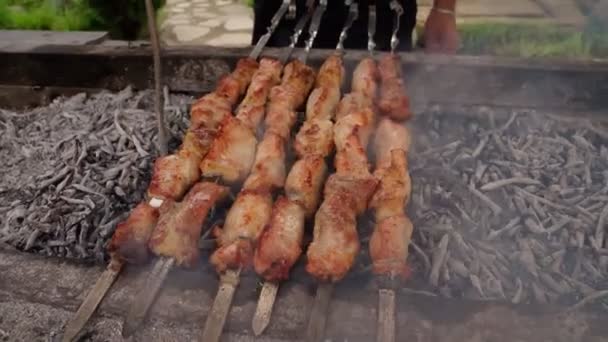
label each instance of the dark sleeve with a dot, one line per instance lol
(263, 10)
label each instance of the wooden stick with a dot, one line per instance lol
(158, 100)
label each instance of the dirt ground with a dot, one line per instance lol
(38, 295)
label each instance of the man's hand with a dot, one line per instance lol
(440, 34)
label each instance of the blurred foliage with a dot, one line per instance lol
(42, 15)
(124, 19)
(529, 40)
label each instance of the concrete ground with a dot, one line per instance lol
(229, 23)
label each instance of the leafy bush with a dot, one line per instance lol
(41, 15)
(124, 19)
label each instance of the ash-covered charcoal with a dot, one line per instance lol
(510, 206)
(72, 170)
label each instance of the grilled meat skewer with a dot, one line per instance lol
(280, 244)
(252, 208)
(393, 230)
(172, 176)
(231, 155)
(347, 192)
(393, 101)
(176, 236)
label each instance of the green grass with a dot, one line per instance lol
(526, 40)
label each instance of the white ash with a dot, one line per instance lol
(517, 201)
(73, 169)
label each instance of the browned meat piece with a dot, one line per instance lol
(359, 123)
(232, 86)
(208, 111)
(180, 224)
(244, 224)
(390, 135)
(280, 245)
(298, 79)
(393, 102)
(331, 73)
(252, 108)
(304, 182)
(388, 246)
(280, 122)
(173, 175)
(130, 240)
(352, 103)
(395, 187)
(335, 240)
(232, 152)
(322, 103)
(360, 189)
(268, 172)
(315, 137)
(351, 159)
(365, 78)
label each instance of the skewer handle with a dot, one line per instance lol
(371, 28)
(91, 302)
(263, 311)
(396, 6)
(318, 315)
(386, 316)
(353, 14)
(298, 30)
(221, 307)
(144, 299)
(274, 22)
(291, 14)
(314, 26)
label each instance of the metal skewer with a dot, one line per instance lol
(396, 6)
(144, 300)
(214, 325)
(318, 316)
(353, 14)
(267, 298)
(313, 30)
(371, 28)
(299, 28)
(386, 294)
(274, 22)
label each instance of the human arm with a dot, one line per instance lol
(440, 34)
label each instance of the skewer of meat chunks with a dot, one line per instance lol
(251, 210)
(172, 176)
(279, 246)
(393, 101)
(392, 233)
(175, 238)
(335, 243)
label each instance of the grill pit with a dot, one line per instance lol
(481, 242)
